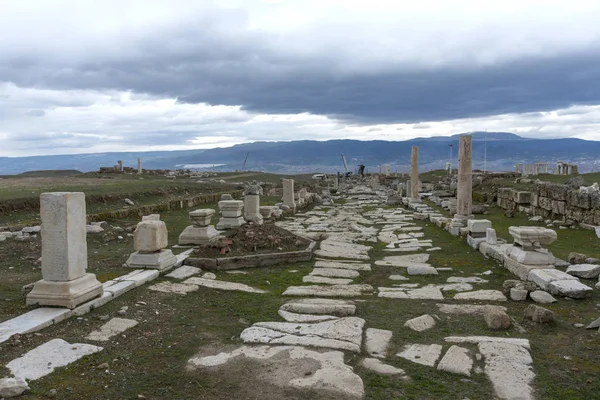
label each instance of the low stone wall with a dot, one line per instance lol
(553, 201)
(253, 260)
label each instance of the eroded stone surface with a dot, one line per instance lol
(222, 285)
(465, 309)
(375, 365)
(343, 265)
(111, 328)
(329, 291)
(12, 387)
(539, 296)
(457, 361)
(295, 317)
(331, 375)
(509, 367)
(487, 295)
(169, 287)
(340, 308)
(44, 359)
(184, 272)
(377, 342)
(325, 280)
(570, 288)
(335, 273)
(424, 354)
(426, 293)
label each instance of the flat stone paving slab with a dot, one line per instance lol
(329, 291)
(457, 361)
(343, 265)
(465, 309)
(296, 367)
(44, 359)
(377, 342)
(493, 339)
(340, 334)
(325, 280)
(32, 321)
(510, 368)
(585, 271)
(426, 293)
(184, 272)
(570, 288)
(111, 328)
(375, 365)
(170, 287)
(486, 295)
(543, 277)
(222, 285)
(295, 317)
(421, 270)
(420, 324)
(335, 273)
(424, 354)
(340, 308)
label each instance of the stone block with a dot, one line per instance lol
(517, 294)
(161, 260)
(230, 223)
(532, 236)
(478, 225)
(539, 296)
(522, 197)
(202, 216)
(198, 235)
(67, 294)
(522, 270)
(570, 288)
(530, 257)
(543, 277)
(586, 271)
(490, 236)
(495, 318)
(150, 236)
(457, 361)
(539, 314)
(475, 242)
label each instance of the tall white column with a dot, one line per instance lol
(464, 195)
(414, 175)
(139, 166)
(288, 194)
(65, 282)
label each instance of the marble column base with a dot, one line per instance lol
(255, 218)
(160, 260)
(199, 235)
(229, 223)
(67, 294)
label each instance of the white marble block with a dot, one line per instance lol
(231, 214)
(65, 282)
(252, 209)
(201, 233)
(150, 236)
(288, 194)
(478, 225)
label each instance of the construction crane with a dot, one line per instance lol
(245, 159)
(347, 173)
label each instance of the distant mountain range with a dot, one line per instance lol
(499, 151)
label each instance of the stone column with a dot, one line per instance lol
(288, 194)
(252, 209)
(464, 195)
(120, 163)
(139, 166)
(414, 175)
(65, 282)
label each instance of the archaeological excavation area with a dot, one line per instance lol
(362, 287)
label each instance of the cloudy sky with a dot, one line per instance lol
(81, 76)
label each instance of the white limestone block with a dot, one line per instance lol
(377, 342)
(341, 308)
(329, 291)
(510, 369)
(32, 321)
(422, 353)
(150, 236)
(295, 317)
(343, 265)
(111, 328)
(325, 280)
(170, 287)
(478, 225)
(222, 285)
(421, 270)
(586, 271)
(420, 324)
(539, 296)
(375, 365)
(184, 272)
(457, 361)
(335, 273)
(543, 277)
(487, 295)
(570, 288)
(45, 358)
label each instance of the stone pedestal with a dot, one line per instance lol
(288, 194)
(528, 245)
(414, 175)
(65, 282)
(149, 240)
(201, 233)
(231, 214)
(252, 209)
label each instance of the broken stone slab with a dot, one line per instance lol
(329, 291)
(12, 387)
(510, 369)
(586, 271)
(32, 321)
(170, 287)
(466, 279)
(328, 373)
(45, 358)
(111, 328)
(517, 294)
(377, 342)
(424, 354)
(398, 278)
(532, 236)
(570, 288)
(375, 365)
(421, 323)
(488, 339)
(222, 285)
(340, 334)
(496, 319)
(340, 308)
(521, 270)
(543, 277)
(455, 287)
(433, 249)
(486, 295)
(465, 309)
(334, 273)
(184, 272)
(426, 293)
(325, 280)
(539, 296)
(457, 361)
(404, 261)
(539, 314)
(421, 270)
(343, 265)
(295, 317)
(594, 325)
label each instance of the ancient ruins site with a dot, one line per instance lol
(429, 285)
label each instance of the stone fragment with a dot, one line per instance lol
(184, 272)
(329, 376)
(594, 325)
(570, 288)
(340, 308)
(510, 369)
(398, 278)
(487, 295)
(294, 317)
(465, 309)
(532, 236)
(496, 319)
(12, 387)
(343, 265)
(329, 291)
(426, 293)
(209, 275)
(170, 287)
(45, 358)
(423, 354)
(111, 328)
(377, 342)
(375, 365)
(467, 279)
(457, 361)
(543, 277)
(222, 285)
(421, 270)
(576, 258)
(32, 321)
(586, 271)
(539, 296)
(518, 294)
(150, 236)
(335, 273)
(539, 314)
(325, 280)
(421, 323)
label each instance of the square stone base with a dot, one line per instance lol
(474, 242)
(67, 294)
(522, 270)
(161, 260)
(229, 223)
(529, 257)
(199, 235)
(254, 218)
